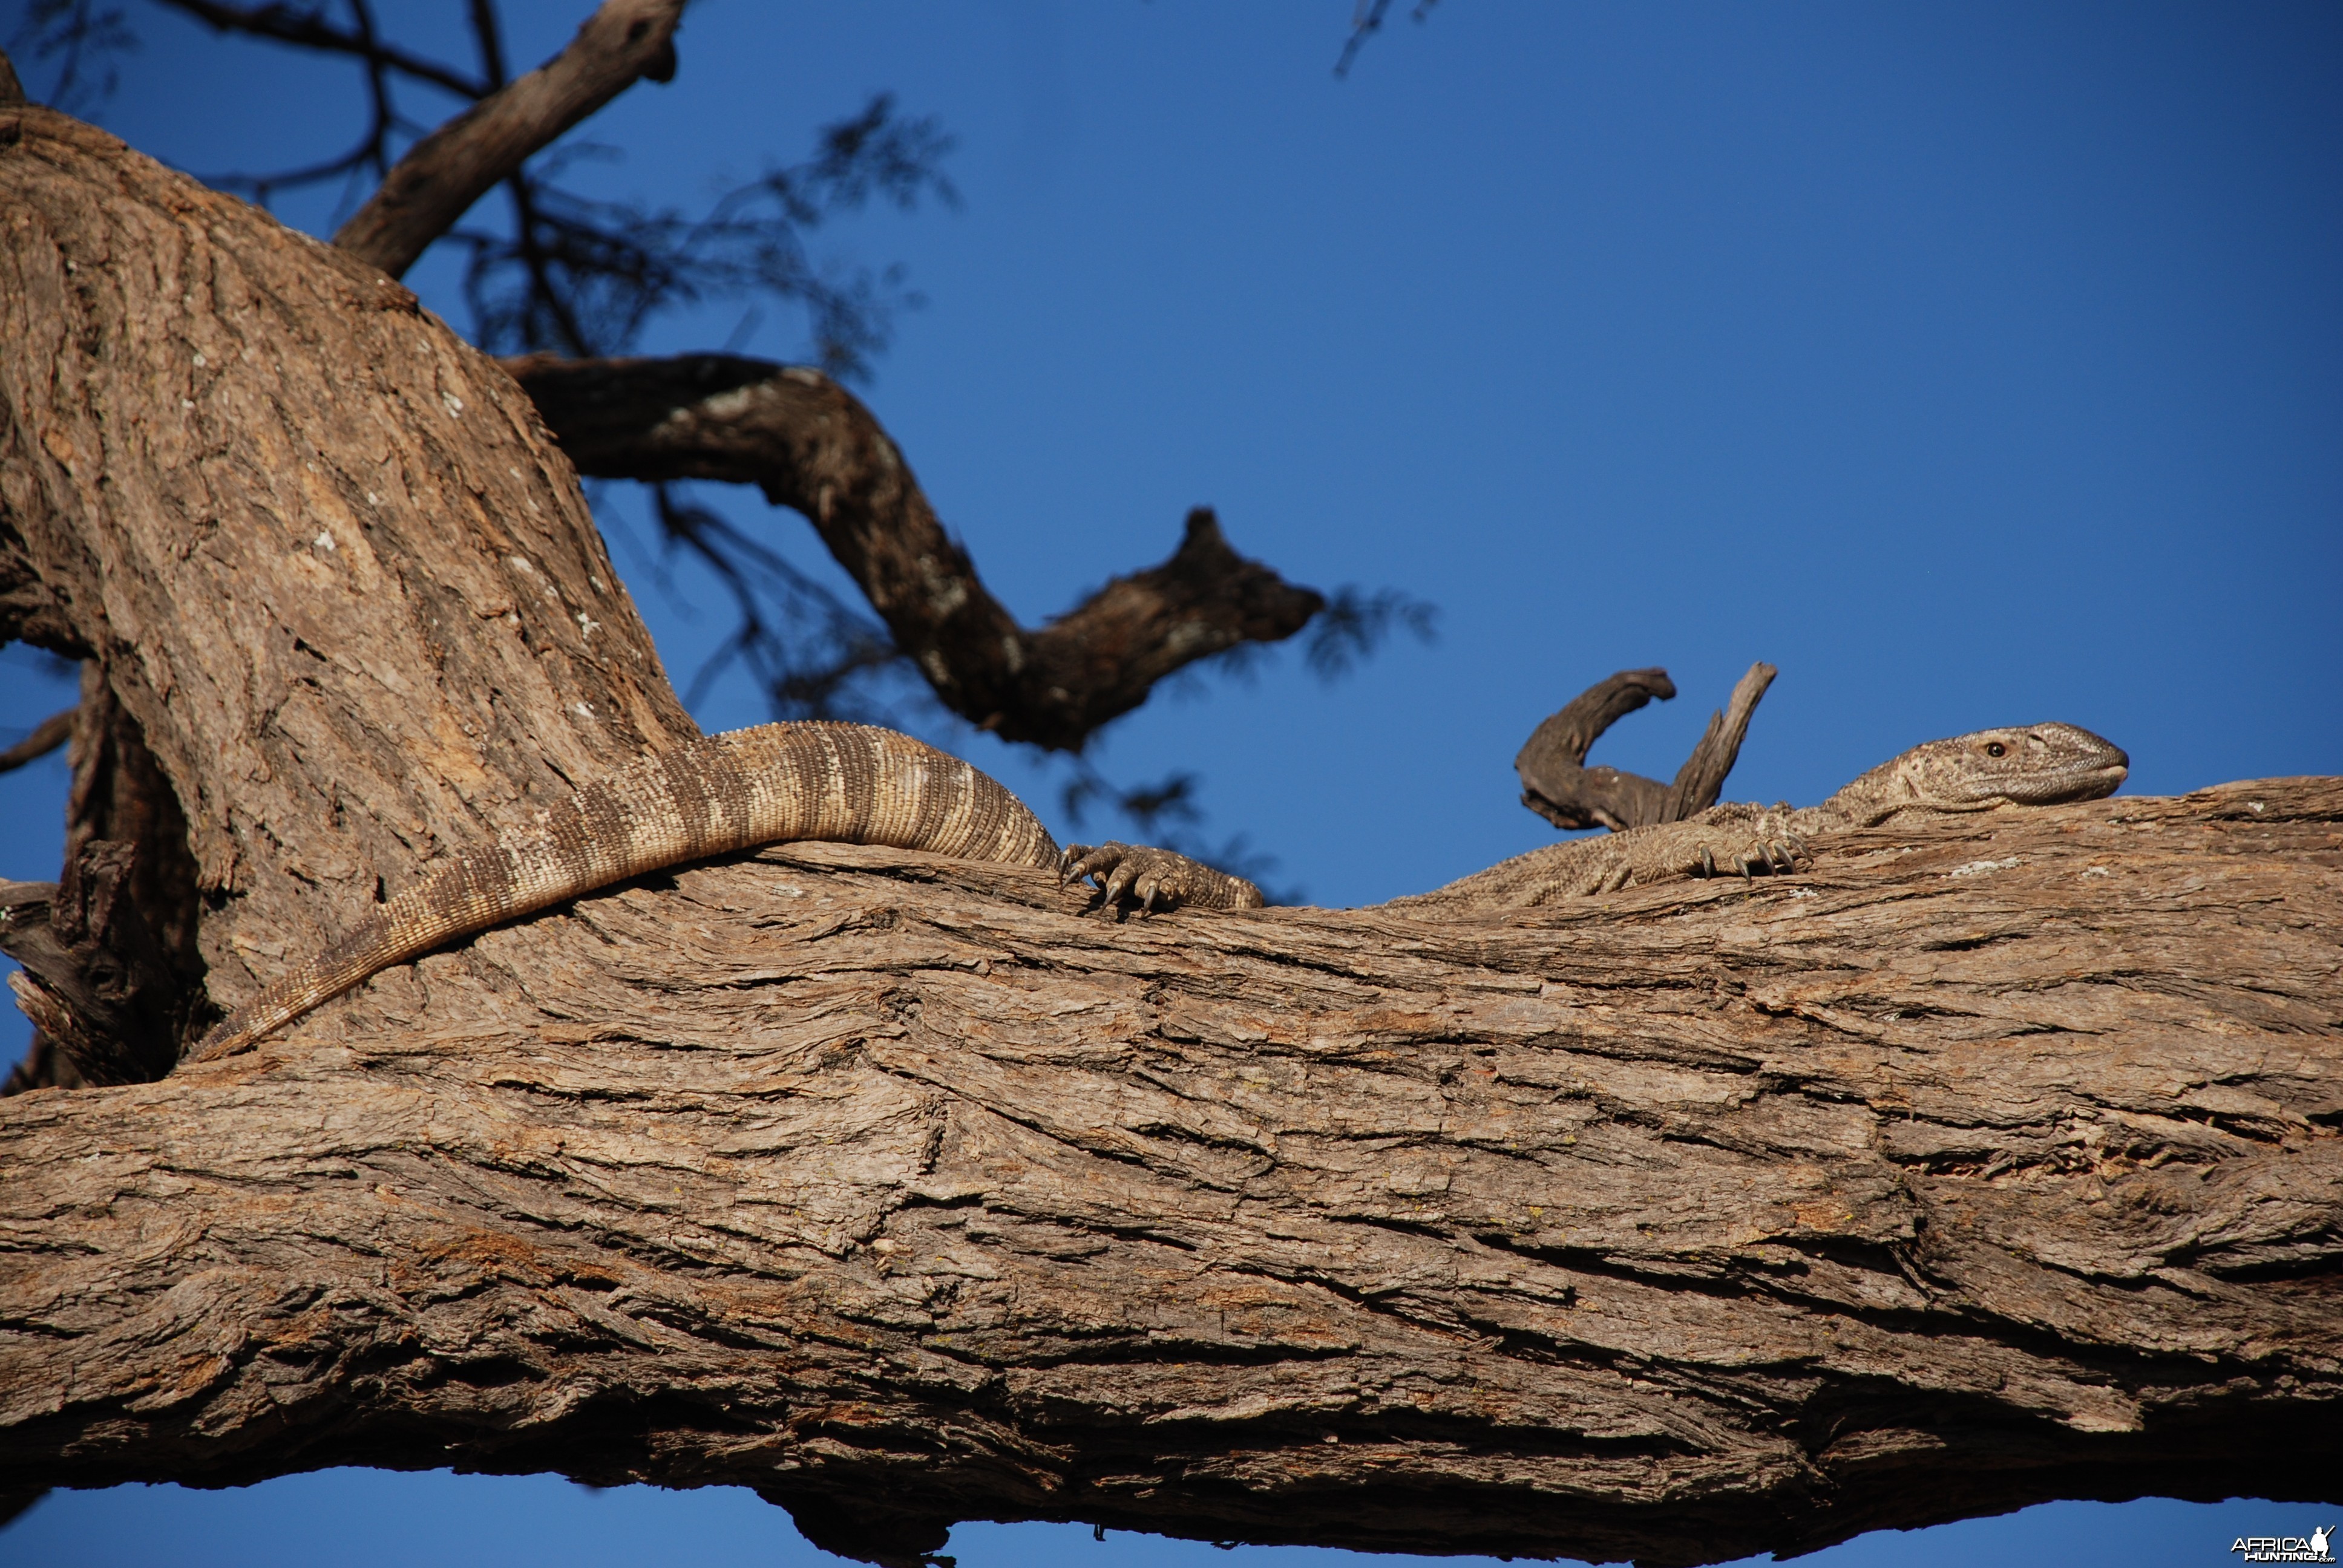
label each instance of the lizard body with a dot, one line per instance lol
(848, 783)
(2030, 765)
(852, 783)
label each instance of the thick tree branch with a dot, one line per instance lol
(811, 445)
(215, 473)
(449, 170)
(1968, 1169)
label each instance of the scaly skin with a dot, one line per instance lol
(848, 783)
(852, 783)
(2032, 765)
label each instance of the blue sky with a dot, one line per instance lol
(1973, 365)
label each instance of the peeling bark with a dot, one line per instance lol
(1973, 1167)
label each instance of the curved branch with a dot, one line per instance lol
(449, 170)
(1557, 785)
(812, 445)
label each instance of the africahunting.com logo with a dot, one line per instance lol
(2312, 1548)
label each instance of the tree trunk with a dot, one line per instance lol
(1979, 1167)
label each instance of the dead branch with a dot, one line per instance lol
(445, 173)
(1702, 777)
(812, 445)
(112, 976)
(1557, 785)
(1971, 1169)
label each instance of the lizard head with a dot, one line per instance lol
(2024, 765)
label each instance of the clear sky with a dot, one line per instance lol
(1973, 365)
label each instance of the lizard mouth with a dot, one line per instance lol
(2088, 783)
(2095, 783)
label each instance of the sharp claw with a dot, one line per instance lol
(1707, 862)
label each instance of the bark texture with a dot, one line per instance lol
(1997, 1164)
(810, 445)
(333, 569)
(1958, 1175)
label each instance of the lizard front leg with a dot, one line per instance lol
(1727, 840)
(1153, 879)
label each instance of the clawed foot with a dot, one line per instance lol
(1726, 842)
(1775, 855)
(1720, 845)
(1144, 877)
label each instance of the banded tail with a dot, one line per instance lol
(844, 783)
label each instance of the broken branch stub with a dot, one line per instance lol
(1557, 785)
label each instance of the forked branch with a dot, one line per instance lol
(1558, 786)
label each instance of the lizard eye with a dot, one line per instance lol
(1996, 748)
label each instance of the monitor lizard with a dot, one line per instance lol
(2028, 765)
(857, 784)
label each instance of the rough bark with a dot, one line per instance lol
(112, 973)
(810, 445)
(331, 565)
(1960, 1174)
(449, 170)
(1966, 1171)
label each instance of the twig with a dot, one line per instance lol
(310, 30)
(46, 737)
